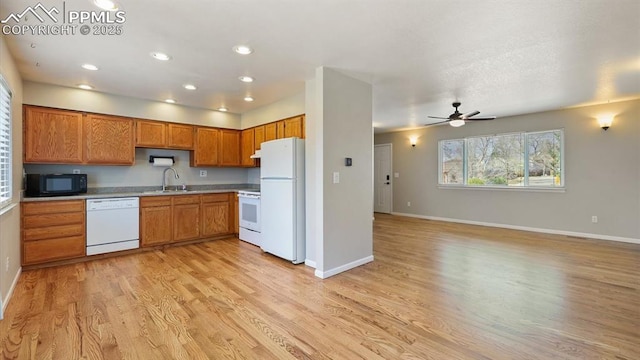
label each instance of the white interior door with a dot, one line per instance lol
(382, 183)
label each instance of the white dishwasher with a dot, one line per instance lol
(112, 225)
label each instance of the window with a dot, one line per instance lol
(528, 159)
(5, 143)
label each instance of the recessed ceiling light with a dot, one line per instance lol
(170, 101)
(243, 49)
(85, 87)
(106, 5)
(248, 99)
(190, 87)
(246, 79)
(160, 56)
(223, 109)
(89, 67)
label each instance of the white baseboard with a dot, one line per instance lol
(526, 228)
(310, 263)
(5, 301)
(343, 268)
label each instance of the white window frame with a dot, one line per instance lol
(6, 180)
(525, 186)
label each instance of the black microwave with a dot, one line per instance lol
(56, 184)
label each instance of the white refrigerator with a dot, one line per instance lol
(282, 208)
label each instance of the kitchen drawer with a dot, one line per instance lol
(150, 201)
(208, 198)
(53, 249)
(52, 207)
(186, 199)
(51, 232)
(47, 220)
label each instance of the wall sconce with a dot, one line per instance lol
(605, 122)
(413, 141)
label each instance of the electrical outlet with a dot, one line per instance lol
(409, 203)
(203, 173)
(76, 171)
(594, 219)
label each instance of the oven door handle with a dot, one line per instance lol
(249, 196)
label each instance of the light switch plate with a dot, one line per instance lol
(336, 177)
(396, 175)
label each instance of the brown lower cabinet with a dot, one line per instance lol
(52, 231)
(155, 220)
(186, 217)
(175, 218)
(55, 230)
(216, 214)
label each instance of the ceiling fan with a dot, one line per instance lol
(458, 119)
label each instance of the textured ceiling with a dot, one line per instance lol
(500, 57)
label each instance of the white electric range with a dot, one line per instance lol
(249, 215)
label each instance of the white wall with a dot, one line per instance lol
(93, 101)
(282, 109)
(10, 220)
(343, 120)
(602, 174)
(313, 192)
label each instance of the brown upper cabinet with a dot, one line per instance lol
(294, 127)
(180, 136)
(216, 147)
(205, 151)
(151, 134)
(71, 137)
(229, 154)
(270, 131)
(247, 147)
(280, 129)
(52, 136)
(258, 136)
(159, 135)
(291, 127)
(109, 140)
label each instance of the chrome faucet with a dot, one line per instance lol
(164, 177)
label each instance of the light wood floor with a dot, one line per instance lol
(435, 291)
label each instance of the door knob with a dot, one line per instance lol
(387, 183)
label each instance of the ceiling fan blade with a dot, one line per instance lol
(484, 118)
(438, 123)
(469, 114)
(438, 117)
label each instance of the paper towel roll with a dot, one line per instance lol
(162, 162)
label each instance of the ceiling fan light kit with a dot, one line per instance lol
(458, 119)
(457, 123)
